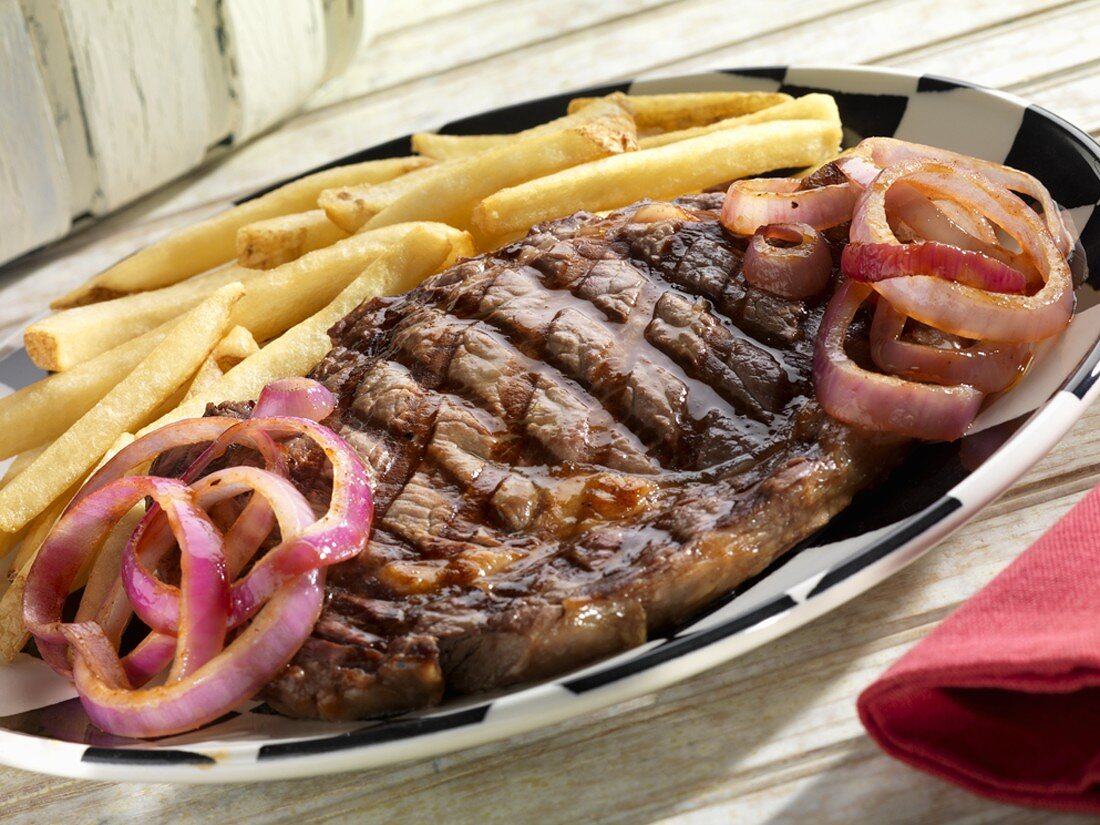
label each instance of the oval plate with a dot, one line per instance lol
(42, 727)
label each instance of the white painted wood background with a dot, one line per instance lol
(769, 737)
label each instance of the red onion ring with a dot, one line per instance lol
(794, 271)
(882, 402)
(73, 541)
(874, 262)
(161, 605)
(250, 661)
(986, 367)
(885, 152)
(931, 222)
(960, 309)
(282, 594)
(751, 204)
(295, 397)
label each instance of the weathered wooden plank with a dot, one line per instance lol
(1019, 51)
(582, 58)
(400, 15)
(468, 36)
(874, 32)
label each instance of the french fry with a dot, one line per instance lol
(419, 254)
(72, 336)
(13, 635)
(808, 107)
(237, 345)
(661, 173)
(8, 541)
(171, 363)
(38, 413)
(275, 299)
(350, 207)
(38, 528)
(685, 110)
(212, 242)
(279, 298)
(450, 196)
(272, 242)
(458, 147)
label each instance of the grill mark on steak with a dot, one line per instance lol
(575, 441)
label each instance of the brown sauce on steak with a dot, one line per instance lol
(575, 442)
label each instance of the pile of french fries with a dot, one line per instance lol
(215, 311)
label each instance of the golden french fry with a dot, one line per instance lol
(13, 635)
(350, 207)
(808, 107)
(19, 464)
(38, 413)
(456, 147)
(279, 298)
(8, 541)
(72, 336)
(418, 255)
(237, 345)
(171, 363)
(666, 172)
(274, 241)
(688, 109)
(605, 129)
(212, 242)
(275, 299)
(38, 528)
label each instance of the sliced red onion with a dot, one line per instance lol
(282, 594)
(884, 152)
(859, 170)
(751, 204)
(295, 397)
(882, 402)
(178, 434)
(73, 541)
(957, 308)
(204, 590)
(874, 262)
(160, 605)
(791, 260)
(250, 662)
(986, 367)
(973, 225)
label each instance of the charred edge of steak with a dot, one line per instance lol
(575, 442)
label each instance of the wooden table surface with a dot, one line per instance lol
(772, 736)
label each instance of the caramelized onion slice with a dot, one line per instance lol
(751, 204)
(791, 260)
(882, 402)
(986, 367)
(876, 262)
(958, 308)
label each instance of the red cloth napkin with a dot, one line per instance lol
(1003, 698)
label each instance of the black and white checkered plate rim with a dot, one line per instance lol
(881, 533)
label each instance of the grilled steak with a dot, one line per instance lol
(575, 442)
